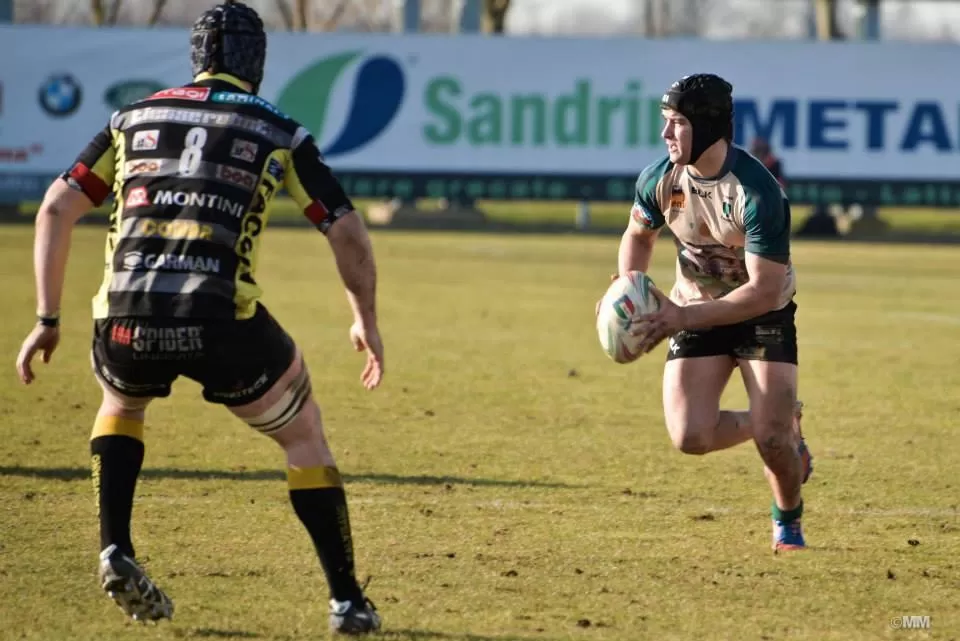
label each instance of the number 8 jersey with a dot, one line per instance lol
(193, 170)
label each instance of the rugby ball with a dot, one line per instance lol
(627, 297)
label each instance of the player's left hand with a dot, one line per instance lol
(596, 309)
(42, 339)
(661, 324)
(367, 339)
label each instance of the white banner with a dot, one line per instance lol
(507, 105)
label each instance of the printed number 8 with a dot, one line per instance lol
(192, 151)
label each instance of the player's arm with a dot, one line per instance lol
(766, 222)
(85, 185)
(646, 220)
(313, 186)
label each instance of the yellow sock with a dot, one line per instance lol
(313, 478)
(117, 426)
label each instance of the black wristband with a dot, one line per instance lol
(49, 321)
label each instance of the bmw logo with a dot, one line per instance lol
(60, 95)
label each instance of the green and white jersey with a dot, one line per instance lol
(715, 221)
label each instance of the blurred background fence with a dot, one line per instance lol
(528, 110)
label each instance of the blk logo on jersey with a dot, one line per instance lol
(706, 195)
(244, 150)
(146, 140)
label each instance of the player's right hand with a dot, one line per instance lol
(367, 339)
(41, 339)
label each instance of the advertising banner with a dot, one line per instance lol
(426, 113)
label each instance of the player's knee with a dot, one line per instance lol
(773, 435)
(285, 409)
(114, 404)
(691, 437)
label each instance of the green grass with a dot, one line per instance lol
(507, 481)
(613, 216)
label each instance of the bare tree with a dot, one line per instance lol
(436, 16)
(300, 19)
(356, 15)
(114, 12)
(332, 21)
(285, 14)
(35, 11)
(656, 18)
(494, 15)
(156, 12)
(103, 12)
(826, 15)
(686, 17)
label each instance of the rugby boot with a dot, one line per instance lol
(352, 619)
(131, 589)
(788, 536)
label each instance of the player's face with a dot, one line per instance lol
(678, 134)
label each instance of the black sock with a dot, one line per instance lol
(115, 462)
(321, 504)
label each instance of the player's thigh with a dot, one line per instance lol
(697, 370)
(767, 355)
(772, 389)
(128, 381)
(255, 370)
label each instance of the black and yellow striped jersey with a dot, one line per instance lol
(193, 170)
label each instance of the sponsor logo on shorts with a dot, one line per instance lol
(245, 391)
(167, 339)
(244, 150)
(136, 261)
(146, 140)
(198, 94)
(160, 343)
(121, 335)
(138, 197)
(674, 345)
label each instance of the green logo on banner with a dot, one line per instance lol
(377, 95)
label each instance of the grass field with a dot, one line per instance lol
(612, 215)
(508, 481)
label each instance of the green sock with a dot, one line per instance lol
(786, 516)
